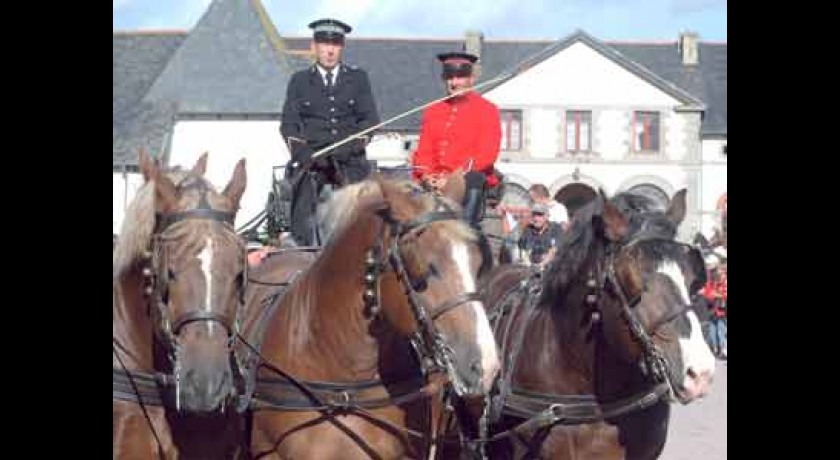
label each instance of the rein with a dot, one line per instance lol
(136, 380)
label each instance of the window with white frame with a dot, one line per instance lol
(578, 130)
(511, 129)
(646, 131)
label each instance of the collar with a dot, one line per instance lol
(466, 97)
(323, 71)
(540, 231)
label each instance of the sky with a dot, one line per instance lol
(651, 20)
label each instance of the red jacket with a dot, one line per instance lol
(456, 131)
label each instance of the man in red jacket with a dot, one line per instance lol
(463, 132)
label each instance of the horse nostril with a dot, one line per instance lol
(475, 367)
(690, 372)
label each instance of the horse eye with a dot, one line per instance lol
(419, 284)
(170, 274)
(433, 271)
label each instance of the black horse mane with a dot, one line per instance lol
(646, 220)
(571, 252)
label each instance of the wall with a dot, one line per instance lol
(579, 75)
(714, 180)
(125, 187)
(259, 142)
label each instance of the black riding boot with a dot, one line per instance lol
(304, 202)
(474, 199)
(474, 207)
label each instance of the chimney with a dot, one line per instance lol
(688, 48)
(473, 41)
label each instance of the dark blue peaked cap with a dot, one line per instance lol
(329, 30)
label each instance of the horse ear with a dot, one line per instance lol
(148, 166)
(676, 211)
(455, 187)
(164, 188)
(616, 224)
(603, 194)
(200, 166)
(236, 187)
(166, 191)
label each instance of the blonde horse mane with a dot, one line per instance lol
(139, 224)
(340, 210)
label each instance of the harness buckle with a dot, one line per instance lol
(550, 416)
(341, 402)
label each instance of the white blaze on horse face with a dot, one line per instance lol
(206, 258)
(484, 336)
(696, 354)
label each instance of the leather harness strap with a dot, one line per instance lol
(146, 388)
(280, 394)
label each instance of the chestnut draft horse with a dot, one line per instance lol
(356, 356)
(178, 275)
(596, 347)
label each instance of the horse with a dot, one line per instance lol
(596, 347)
(354, 355)
(178, 273)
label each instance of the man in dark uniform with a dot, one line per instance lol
(325, 104)
(462, 132)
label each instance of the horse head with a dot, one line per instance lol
(440, 259)
(198, 271)
(429, 295)
(623, 263)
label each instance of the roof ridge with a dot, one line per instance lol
(271, 33)
(152, 32)
(366, 38)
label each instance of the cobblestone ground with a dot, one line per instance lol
(698, 431)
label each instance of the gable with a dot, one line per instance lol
(231, 63)
(580, 75)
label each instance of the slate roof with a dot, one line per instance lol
(229, 63)
(580, 36)
(233, 62)
(138, 60)
(706, 81)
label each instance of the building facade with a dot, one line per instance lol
(578, 114)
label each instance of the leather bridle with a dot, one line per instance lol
(161, 274)
(653, 362)
(433, 351)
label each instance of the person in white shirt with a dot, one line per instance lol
(539, 195)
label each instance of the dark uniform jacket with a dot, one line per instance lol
(314, 117)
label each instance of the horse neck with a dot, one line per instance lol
(554, 337)
(132, 325)
(328, 304)
(587, 361)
